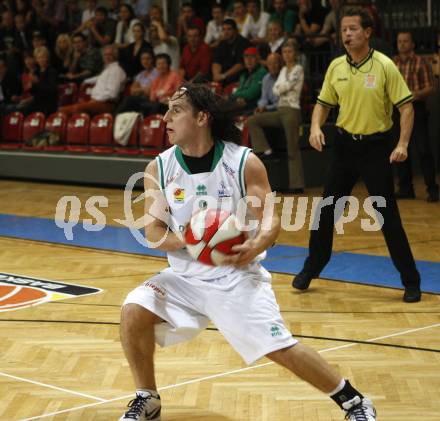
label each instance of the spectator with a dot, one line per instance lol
(113, 10)
(329, 28)
(139, 98)
(417, 73)
(228, 56)
(275, 39)
(63, 57)
(22, 35)
(7, 42)
(163, 43)
(214, 29)
(255, 26)
(195, 63)
(239, 14)
(100, 28)
(108, 87)
(27, 76)
(287, 17)
(89, 12)
(44, 88)
(246, 96)
(164, 86)
(288, 116)
(268, 100)
(124, 28)
(141, 8)
(186, 19)
(38, 40)
(130, 56)
(156, 15)
(87, 61)
(73, 16)
(51, 16)
(9, 86)
(311, 17)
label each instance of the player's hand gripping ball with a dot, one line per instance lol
(211, 234)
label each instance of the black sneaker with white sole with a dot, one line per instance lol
(143, 408)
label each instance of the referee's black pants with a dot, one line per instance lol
(369, 159)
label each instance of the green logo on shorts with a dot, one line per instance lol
(275, 331)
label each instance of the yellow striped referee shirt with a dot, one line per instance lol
(365, 92)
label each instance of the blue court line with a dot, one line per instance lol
(350, 267)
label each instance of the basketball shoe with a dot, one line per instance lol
(143, 408)
(358, 409)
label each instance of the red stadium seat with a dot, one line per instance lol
(101, 134)
(85, 92)
(229, 89)
(215, 87)
(57, 122)
(67, 94)
(77, 134)
(12, 131)
(241, 123)
(131, 148)
(152, 135)
(33, 124)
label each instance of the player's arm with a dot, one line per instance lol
(157, 232)
(257, 186)
(400, 152)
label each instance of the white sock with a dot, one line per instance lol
(146, 392)
(338, 388)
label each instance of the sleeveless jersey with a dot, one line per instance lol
(186, 193)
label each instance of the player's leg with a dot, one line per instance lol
(248, 316)
(309, 366)
(341, 178)
(376, 172)
(159, 311)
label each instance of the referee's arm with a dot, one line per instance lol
(319, 117)
(400, 152)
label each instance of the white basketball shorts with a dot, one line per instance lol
(245, 312)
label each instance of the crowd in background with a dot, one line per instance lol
(134, 59)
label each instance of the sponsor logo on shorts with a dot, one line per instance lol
(158, 290)
(22, 291)
(275, 331)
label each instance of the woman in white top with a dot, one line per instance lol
(124, 28)
(288, 116)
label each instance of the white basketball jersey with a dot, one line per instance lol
(186, 193)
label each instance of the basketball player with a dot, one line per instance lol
(176, 304)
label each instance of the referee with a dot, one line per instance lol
(365, 84)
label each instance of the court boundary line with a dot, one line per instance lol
(62, 389)
(227, 373)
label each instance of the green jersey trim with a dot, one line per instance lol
(161, 175)
(241, 172)
(219, 146)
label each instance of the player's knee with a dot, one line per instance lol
(134, 316)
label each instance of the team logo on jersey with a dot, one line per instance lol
(21, 291)
(370, 81)
(228, 169)
(223, 191)
(201, 190)
(179, 195)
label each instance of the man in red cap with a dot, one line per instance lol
(246, 96)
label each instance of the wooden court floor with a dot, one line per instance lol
(63, 361)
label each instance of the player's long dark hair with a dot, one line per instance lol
(222, 117)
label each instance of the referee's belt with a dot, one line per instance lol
(372, 136)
